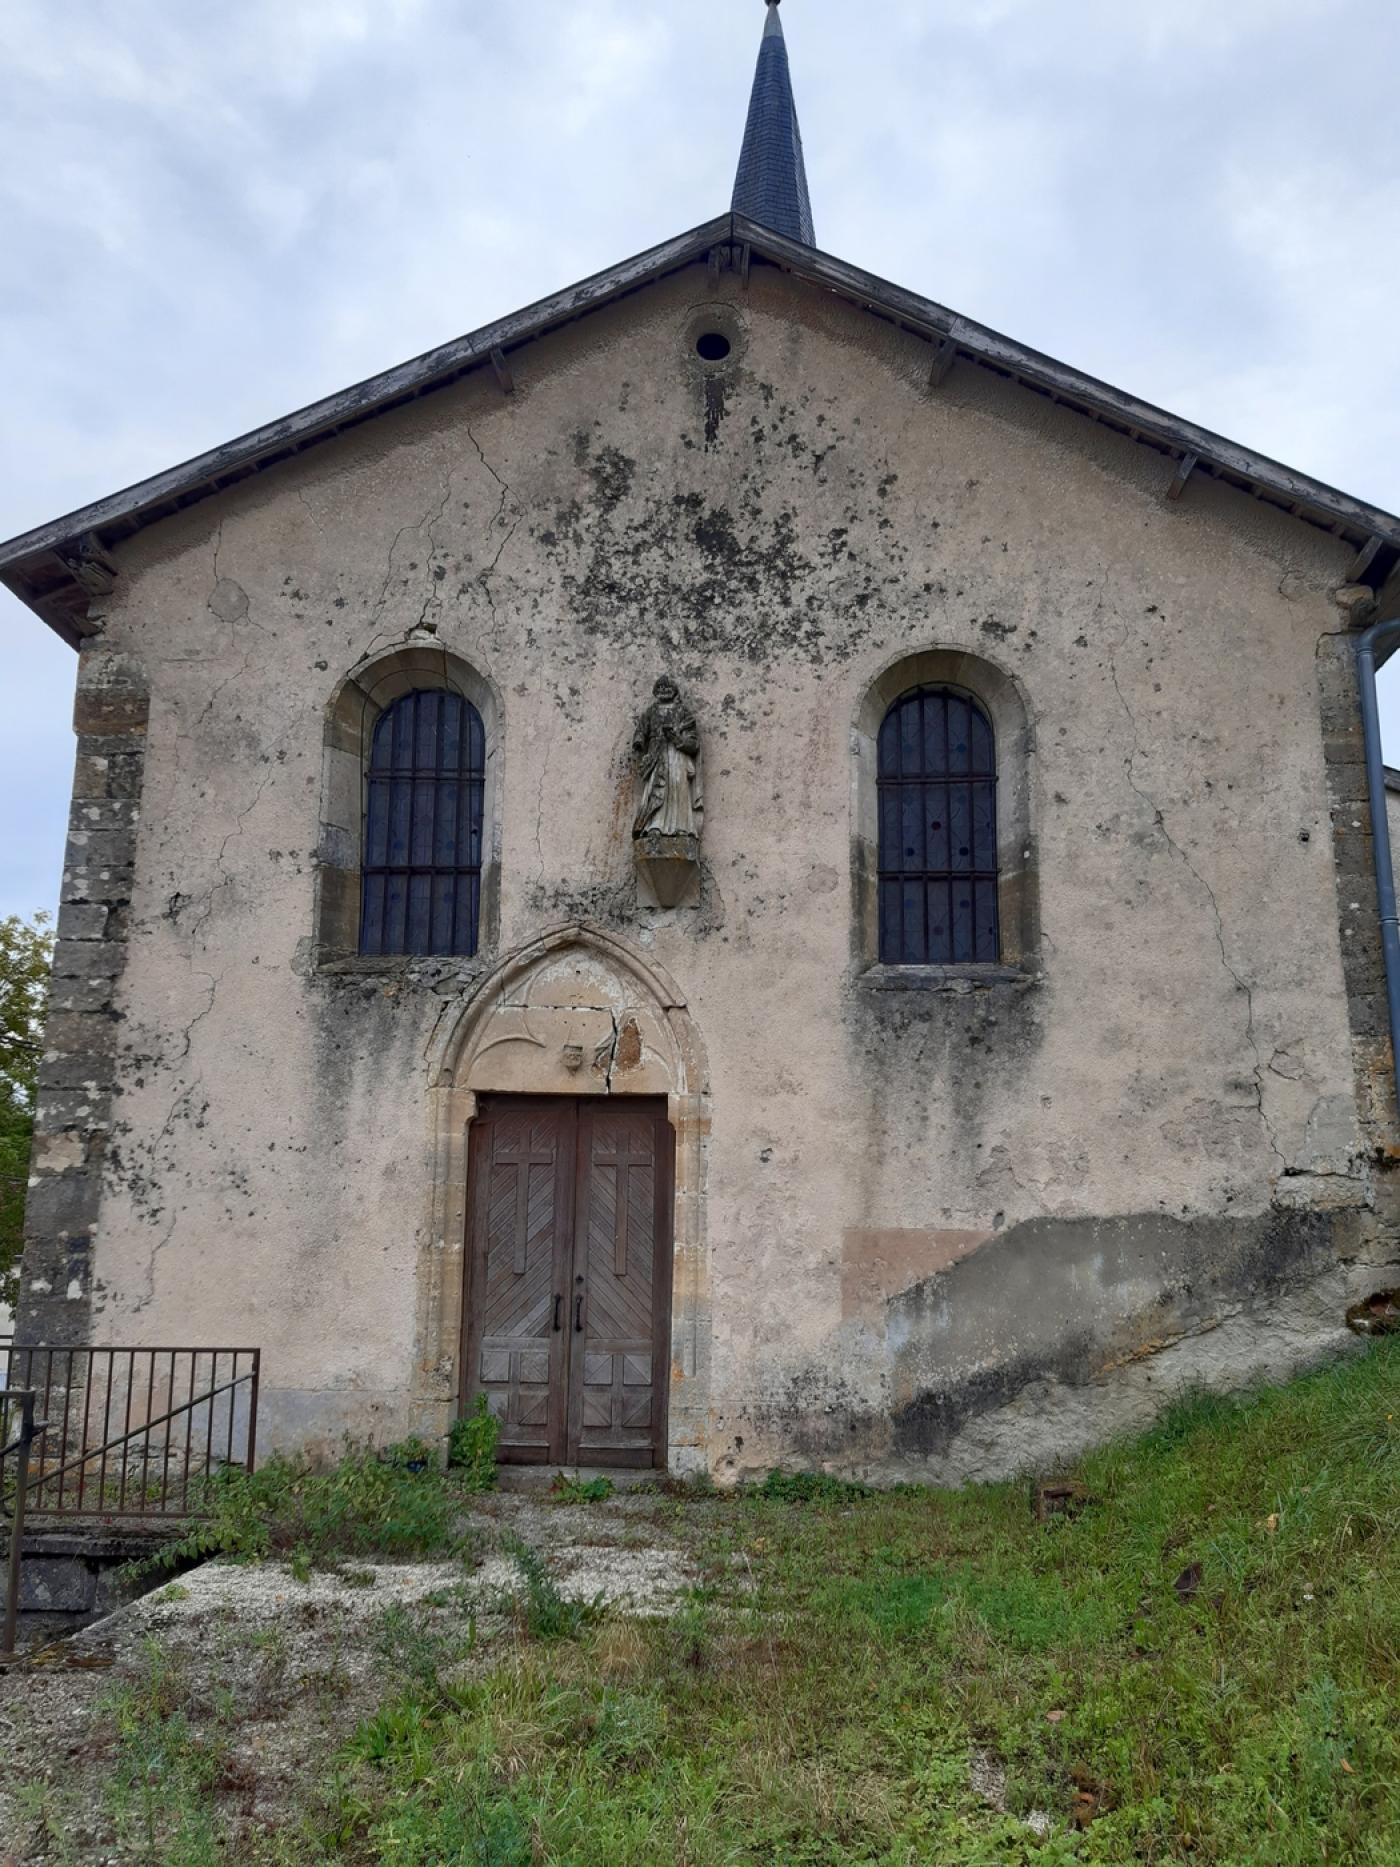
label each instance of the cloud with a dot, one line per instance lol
(1307, 228)
(1112, 30)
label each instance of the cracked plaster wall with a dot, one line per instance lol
(922, 1207)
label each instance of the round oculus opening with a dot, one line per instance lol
(712, 346)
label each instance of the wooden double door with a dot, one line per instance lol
(568, 1290)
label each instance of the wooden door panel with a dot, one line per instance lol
(522, 1161)
(621, 1285)
(567, 1321)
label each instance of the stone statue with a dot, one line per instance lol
(667, 744)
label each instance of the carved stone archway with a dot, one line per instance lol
(575, 1012)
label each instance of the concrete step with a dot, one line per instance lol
(83, 1570)
(537, 1478)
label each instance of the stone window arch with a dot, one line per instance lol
(978, 911)
(378, 691)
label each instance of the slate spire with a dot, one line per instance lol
(771, 186)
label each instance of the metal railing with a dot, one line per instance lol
(18, 1431)
(132, 1433)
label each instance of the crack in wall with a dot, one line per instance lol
(433, 596)
(485, 576)
(240, 675)
(539, 808)
(605, 1056)
(1160, 822)
(227, 878)
(377, 608)
(145, 1301)
(434, 583)
(1331, 635)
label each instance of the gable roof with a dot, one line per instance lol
(56, 568)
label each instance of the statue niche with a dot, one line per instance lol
(670, 799)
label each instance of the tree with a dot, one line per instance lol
(26, 950)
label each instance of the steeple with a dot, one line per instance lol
(771, 186)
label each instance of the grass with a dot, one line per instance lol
(1200, 1665)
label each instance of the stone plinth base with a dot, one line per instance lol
(668, 870)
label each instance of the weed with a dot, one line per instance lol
(810, 1488)
(540, 1611)
(401, 1731)
(411, 1455)
(692, 1630)
(160, 1791)
(471, 1446)
(687, 1489)
(44, 1811)
(271, 1639)
(419, 1654)
(581, 1490)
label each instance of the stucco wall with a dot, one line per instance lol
(931, 1230)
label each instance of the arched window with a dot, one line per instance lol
(426, 782)
(937, 784)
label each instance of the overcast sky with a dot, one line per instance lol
(211, 215)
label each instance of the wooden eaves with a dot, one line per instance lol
(56, 568)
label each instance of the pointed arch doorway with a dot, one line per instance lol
(572, 1102)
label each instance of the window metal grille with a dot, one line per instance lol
(421, 877)
(937, 784)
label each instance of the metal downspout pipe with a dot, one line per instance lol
(1374, 649)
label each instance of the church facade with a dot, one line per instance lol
(735, 862)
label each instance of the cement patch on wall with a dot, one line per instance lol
(1056, 1335)
(1072, 1300)
(878, 1265)
(1051, 1420)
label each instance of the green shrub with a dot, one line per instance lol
(411, 1455)
(471, 1446)
(364, 1506)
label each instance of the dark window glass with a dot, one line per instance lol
(938, 831)
(422, 856)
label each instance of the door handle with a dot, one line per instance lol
(578, 1312)
(558, 1301)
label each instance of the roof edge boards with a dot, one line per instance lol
(58, 567)
(1142, 420)
(221, 467)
